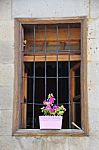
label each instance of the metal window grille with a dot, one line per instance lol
(41, 73)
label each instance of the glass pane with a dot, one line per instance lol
(29, 68)
(28, 82)
(77, 85)
(63, 69)
(51, 69)
(29, 90)
(65, 121)
(37, 113)
(51, 86)
(77, 112)
(39, 90)
(77, 71)
(75, 66)
(29, 115)
(40, 69)
(63, 90)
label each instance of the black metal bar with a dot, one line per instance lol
(43, 104)
(57, 59)
(34, 78)
(53, 51)
(69, 77)
(31, 77)
(45, 59)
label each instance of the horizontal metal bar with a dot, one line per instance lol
(31, 77)
(51, 51)
(43, 104)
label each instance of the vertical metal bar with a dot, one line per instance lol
(57, 58)
(34, 79)
(45, 44)
(69, 76)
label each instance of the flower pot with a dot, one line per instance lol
(50, 122)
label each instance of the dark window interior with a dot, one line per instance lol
(55, 51)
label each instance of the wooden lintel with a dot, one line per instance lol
(49, 20)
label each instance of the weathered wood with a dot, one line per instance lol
(16, 107)
(84, 92)
(49, 20)
(24, 104)
(38, 132)
(72, 89)
(41, 58)
(51, 38)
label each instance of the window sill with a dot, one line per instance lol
(38, 132)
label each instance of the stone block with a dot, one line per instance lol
(6, 143)
(7, 30)
(5, 9)
(92, 143)
(93, 50)
(93, 28)
(83, 143)
(6, 75)
(6, 97)
(93, 72)
(94, 8)
(6, 52)
(93, 120)
(16, 143)
(93, 96)
(57, 143)
(77, 143)
(27, 143)
(9, 143)
(46, 9)
(5, 122)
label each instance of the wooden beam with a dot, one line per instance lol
(49, 20)
(24, 105)
(41, 58)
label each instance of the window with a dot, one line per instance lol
(51, 62)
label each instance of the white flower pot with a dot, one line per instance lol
(50, 122)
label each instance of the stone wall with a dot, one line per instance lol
(10, 9)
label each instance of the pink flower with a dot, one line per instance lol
(51, 100)
(55, 107)
(51, 110)
(48, 107)
(45, 102)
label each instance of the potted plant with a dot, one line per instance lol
(53, 114)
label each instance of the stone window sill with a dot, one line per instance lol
(38, 132)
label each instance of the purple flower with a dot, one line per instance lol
(51, 100)
(51, 110)
(45, 102)
(55, 107)
(48, 107)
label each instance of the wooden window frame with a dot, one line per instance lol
(18, 81)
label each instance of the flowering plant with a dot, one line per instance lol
(52, 109)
